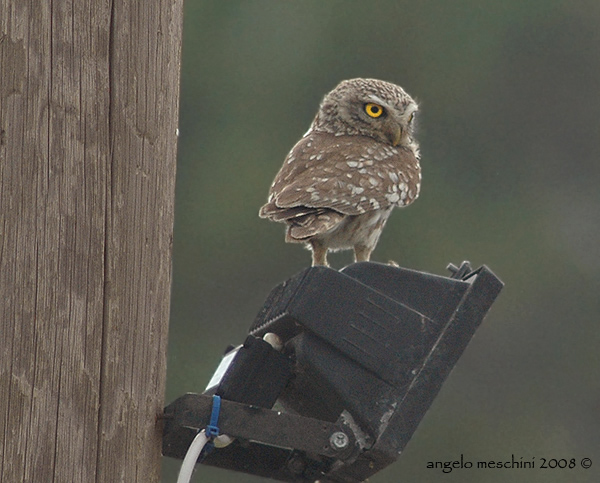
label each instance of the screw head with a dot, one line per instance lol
(296, 465)
(339, 440)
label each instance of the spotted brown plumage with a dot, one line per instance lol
(359, 160)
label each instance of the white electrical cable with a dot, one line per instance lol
(189, 462)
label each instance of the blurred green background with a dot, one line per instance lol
(510, 140)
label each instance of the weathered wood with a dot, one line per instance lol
(88, 118)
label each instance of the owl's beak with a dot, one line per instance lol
(395, 134)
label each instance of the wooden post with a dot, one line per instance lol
(88, 120)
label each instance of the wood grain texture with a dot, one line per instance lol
(88, 119)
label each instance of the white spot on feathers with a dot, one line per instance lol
(393, 197)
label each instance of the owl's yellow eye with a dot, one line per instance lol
(411, 117)
(373, 110)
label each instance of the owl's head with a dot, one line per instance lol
(369, 107)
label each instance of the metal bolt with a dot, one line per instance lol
(339, 440)
(296, 465)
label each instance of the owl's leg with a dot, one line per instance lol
(362, 253)
(319, 253)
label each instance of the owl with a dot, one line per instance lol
(358, 160)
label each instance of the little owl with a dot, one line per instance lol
(358, 160)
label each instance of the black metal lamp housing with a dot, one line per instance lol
(362, 354)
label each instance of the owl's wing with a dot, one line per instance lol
(350, 175)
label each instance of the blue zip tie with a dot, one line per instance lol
(212, 430)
